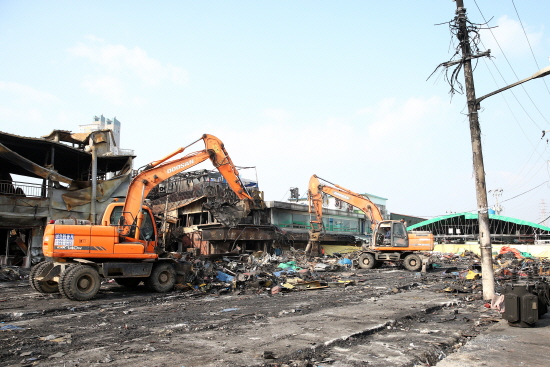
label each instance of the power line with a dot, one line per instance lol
(513, 71)
(536, 187)
(523, 193)
(527, 38)
(506, 101)
(510, 184)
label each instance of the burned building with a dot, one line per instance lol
(186, 206)
(61, 175)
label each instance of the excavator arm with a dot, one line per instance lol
(400, 239)
(158, 171)
(315, 196)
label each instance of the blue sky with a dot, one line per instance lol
(295, 88)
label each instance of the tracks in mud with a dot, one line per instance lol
(421, 338)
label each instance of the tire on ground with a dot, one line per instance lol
(63, 279)
(412, 262)
(162, 279)
(81, 283)
(366, 261)
(128, 282)
(42, 286)
(32, 275)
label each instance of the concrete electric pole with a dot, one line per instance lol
(488, 280)
(461, 27)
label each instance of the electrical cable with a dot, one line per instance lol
(509, 184)
(526, 179)
(506, 101)
(531, 48)
(514, 197)
(526, 191)
(513, 71)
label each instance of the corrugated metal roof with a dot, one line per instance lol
(475, 216)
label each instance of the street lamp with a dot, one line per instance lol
(487, 274)
(488, 279)
(462, 33)
(539, 74)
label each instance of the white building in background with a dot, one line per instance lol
(331, 202)
(102, 123)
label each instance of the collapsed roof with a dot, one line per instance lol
(45, 158)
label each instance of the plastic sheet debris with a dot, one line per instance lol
(229, 309)
(345, 261)
(278, 274)
(507, 249)
(224, 277)
(10, 327)
(472, 275)
(497, 302)
(290, 264)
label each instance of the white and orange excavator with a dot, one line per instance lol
(390, 240)
(125, 245)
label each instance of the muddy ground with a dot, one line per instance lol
(388, 317)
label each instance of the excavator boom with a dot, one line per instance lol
(162, 169)
(357, 200)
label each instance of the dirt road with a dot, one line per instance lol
(387, 318)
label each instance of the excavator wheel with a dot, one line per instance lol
(42, 286)
(32, 275)
(63, 281)
(412, 262)
(366, 261)
(162, 279)
(81, 282)
(128, 282)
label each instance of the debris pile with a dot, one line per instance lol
(262, 272)
(511, 264)
(8, 273)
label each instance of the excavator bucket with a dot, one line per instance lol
(228, 214)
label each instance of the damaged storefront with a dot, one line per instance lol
(51, 178)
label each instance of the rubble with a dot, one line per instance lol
(262, 272)
(249, 307)
(13, 273)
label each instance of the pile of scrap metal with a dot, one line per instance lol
(260, 272)
(513, 268)
(454, 259)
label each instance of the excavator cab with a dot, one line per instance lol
(391, 234)
(147, 231)
(399, 235)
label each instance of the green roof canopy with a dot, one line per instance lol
(474, 216)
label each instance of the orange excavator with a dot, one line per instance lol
(125, 245)
(390, 240)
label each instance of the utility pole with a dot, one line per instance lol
(496, 193)
(488, 280)
(93, 198)
(543, 213)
